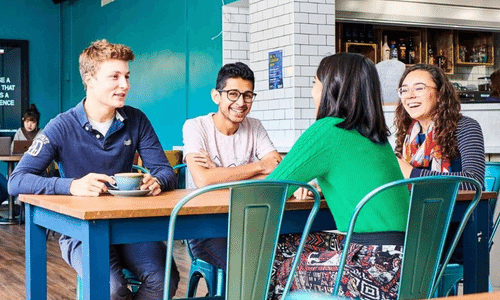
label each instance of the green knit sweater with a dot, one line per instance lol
(348, 166)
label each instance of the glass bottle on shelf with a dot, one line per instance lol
(402, 50)
(474, 56)
(411, 51)
(394, 50)
(355, 36)
(347, 33)
(369, 34)
(430, 55)
(386, 51)
(441, 60)
(362, 33)
(462, 52)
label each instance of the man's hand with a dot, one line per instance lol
(202, 158)
(91, 184)
(269, 163)
(151, 183)
(303, 193)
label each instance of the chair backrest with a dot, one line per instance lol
(180, 171)
(492, 183)
(432, 200)
(255, 212)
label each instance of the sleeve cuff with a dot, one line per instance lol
(416, 172)
(62, 186)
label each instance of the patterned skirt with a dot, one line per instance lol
(371, 271)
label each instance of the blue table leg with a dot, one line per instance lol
(476, 252)
(95, 253)
(36, 258)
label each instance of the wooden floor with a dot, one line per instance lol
(61, 278)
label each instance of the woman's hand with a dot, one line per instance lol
(303, 193)
(405, 167)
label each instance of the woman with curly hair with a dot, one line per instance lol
(433, 137)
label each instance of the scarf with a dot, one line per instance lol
(30, 135)
(427, 154)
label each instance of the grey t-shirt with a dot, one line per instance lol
(248, 144)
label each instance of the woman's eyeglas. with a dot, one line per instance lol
(234, 95)
(418, 90)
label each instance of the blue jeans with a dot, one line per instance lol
(213, 251)
(146, 260)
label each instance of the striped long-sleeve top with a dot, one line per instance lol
(471, 160)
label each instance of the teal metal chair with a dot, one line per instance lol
(312, 296)
(454, 273)
(215, 278)
(256, 209)
(432, 200)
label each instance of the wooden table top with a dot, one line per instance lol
(481, 296)
(10, 157)
(110, 207)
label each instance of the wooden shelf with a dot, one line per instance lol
(367, 49)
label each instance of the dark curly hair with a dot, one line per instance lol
(446, 115)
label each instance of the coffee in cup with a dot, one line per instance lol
(127, 181)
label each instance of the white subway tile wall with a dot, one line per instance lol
(304, 30)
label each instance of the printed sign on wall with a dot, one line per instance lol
(276, 70)
(13, 83)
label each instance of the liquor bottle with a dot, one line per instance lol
(362, 33)
(347, 33)
(369, 34)
(355, 36)
(402, 50)
(394, 50)
(411, 51)
(386, 51)
(441, 60)
(430, 55)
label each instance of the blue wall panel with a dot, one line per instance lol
(176, 59)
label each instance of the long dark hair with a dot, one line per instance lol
(351, 91)
(446, 115)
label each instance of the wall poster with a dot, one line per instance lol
(13, 84)
(276, 70)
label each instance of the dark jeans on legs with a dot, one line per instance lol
(146, 260)
(213, 251)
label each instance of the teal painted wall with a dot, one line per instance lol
(176, 58)
(39, 23)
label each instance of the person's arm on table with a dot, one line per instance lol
(205, 172)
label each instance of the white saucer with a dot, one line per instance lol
(130, 193)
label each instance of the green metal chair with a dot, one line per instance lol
(432, 200)
(256, 209)
(454, 273)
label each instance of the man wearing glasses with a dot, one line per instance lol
(226, 146)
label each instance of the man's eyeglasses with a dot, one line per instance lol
(234, 95)
(418, 90)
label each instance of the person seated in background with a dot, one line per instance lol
(433, 137)
(92, 141)
(495, 86)
(226, 146)
(347, 150)
(30, 128)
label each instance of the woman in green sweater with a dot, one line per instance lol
(347, 151)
